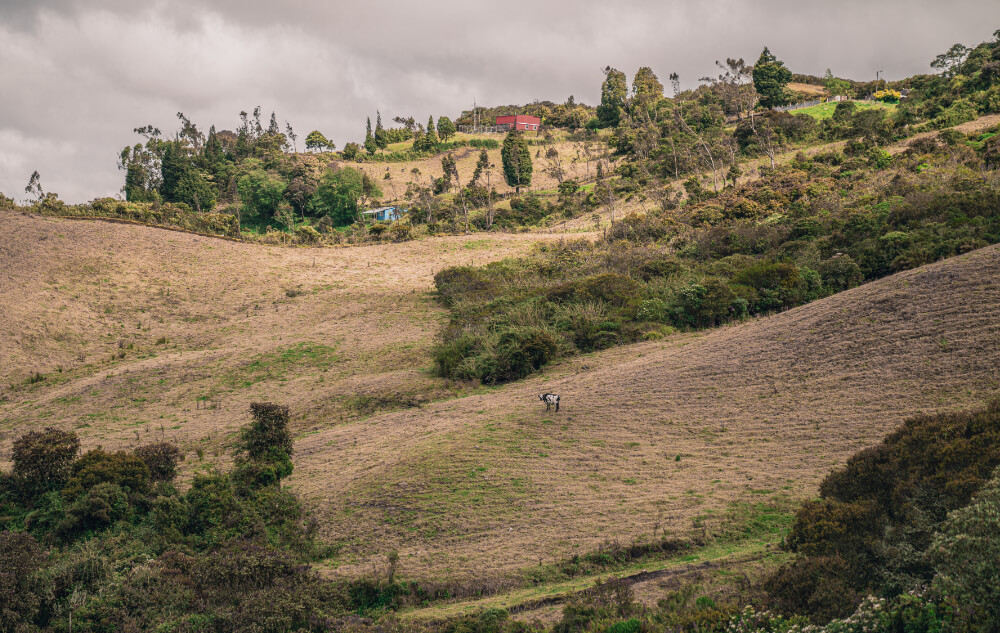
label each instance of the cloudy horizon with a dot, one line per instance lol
(79, 77)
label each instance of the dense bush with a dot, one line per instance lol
(128, 551)
(43, 460)
(878, 514)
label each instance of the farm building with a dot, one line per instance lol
(385, 214)
(518, 122)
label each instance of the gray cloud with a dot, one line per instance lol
(77, 77)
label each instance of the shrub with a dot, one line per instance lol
(400, 232)
(99, 507)
(307, 234)
(776, 286)
(966, 553)
(215, 513)
(522, 351)
(706, 304)
(96, 466)
(879, 158)
(43, 460)
(263, 453)
(879, 512)
(840, 272)
(960, 111)
(614, 289)
(161, 459)
(22, 586)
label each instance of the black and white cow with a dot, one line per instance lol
(550, 399)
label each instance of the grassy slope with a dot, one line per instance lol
(825, 110)
(489, 482)
(754, 410)
(75, 295)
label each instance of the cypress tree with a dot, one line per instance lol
(381, 138)
(516, 158)
(432, 136)
(769, 79)
(370, 145)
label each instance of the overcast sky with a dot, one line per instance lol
(77, 77)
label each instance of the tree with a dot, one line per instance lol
(263, 452)
(351, 151)
(834, 85)
(34, 188)
(770, 78)
(381, 138)
(482, 165)
(553, 165)
(966, 551)
(445, 128)
(43, 460)
(292, 136)
(141, 164)
(735, 83)
(604, 191)
(370, 145)
(646, 90)
(316, 141)
(431, 136)
(450, 170)
(516, 159)
(22, 585)
(182, 181)
(161, 459)
(338, 194)
(614, 93)
(948, 61)
(260, 192)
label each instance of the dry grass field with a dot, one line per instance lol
(164, 334)
(142, 333)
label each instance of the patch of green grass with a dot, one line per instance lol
(825, 110)
(274, 365)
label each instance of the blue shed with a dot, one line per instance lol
(385, 214)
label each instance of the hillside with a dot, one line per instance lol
(146, 333)
(489, 482)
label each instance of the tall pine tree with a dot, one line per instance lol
(370, 145)
(614, 92)
(769, 79)
(516, 159)
(381, 137)
(432, 136)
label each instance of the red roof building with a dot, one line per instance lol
(519, 122)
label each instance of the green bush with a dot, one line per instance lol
(96, 466)
(97, 508)
(965, 555)
(22, 583)
(879, 513)
(43, 460)
(161, 459)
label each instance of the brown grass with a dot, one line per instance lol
(142, 333)
(811, 90)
